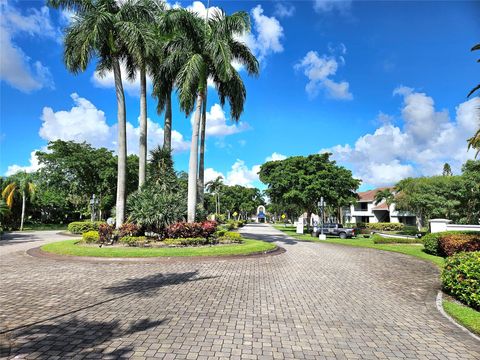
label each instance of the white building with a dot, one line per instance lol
(366, 211)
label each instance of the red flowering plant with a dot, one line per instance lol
(183, 230)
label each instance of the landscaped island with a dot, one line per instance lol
(206, 238)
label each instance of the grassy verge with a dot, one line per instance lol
(465, 315)
(71, 247)
(36, 227)
(409, 249)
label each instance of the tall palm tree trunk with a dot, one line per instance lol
(167, 127)
(201, 167)
(122, 145)
(193, 163)
(142, 150)
(22, 219)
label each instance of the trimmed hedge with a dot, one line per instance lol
(377, 239)
(133, 240)
(385, 226)
(90, 237)
(79, 227)
(188, 241)
(461, 278)
(432, 241)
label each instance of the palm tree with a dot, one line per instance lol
(201, 166)
(474, 141)
(22, 184)
(384, 195)
(214, 187)
(206, 50)
(104, 29)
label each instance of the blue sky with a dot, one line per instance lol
(381, 85)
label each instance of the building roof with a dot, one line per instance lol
(382, 206)
(368, 196)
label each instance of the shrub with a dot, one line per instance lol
(453, 243)
(230, 237)
(461, 278)
(358, 225)
(431, 241)
(191, 230)
(129, 229)
(105, 232)
(220, 232)
(377, 239)
(157, 206)
(188, 241)
(133, 240)
(90, 237)
(79, 227)
(385, 226)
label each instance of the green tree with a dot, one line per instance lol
(22, 184)
(302, 181)
(214, 187)
(385, 195)
(447, 170)
(471, 192)
(103, 29)
(201, 50)
(474, 141)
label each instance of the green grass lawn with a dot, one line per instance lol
(71, 247)
(465, 315)
(409, 249)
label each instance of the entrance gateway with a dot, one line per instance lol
(261, 217)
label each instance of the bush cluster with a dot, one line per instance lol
(105, 232)
(191, 230)
(234, 224)
(385, 226)
(189, 241)
(454, 243)
(129, 229)
(461, 277)
(436, 244)
(230, 237)
(377, 239)
(79, 227)
(90, 237)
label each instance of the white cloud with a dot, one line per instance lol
(33, 165)
(84, 122)
(319, 70)
(283, 10)
(199, 8)
(107, 81)
(267, 35)
(275, 157)
(326, 6)
(241, 174)
(217, 123)
(16, 68)
(427, 139)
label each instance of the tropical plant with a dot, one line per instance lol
(107, 30)
(200, 50)
(474, 141)
(384, 195)
(447, 170)
(22, 184)
(214, 187)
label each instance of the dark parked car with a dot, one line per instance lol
(335, 230)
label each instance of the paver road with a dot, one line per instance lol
(315, 301)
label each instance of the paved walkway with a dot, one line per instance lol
(316, 301)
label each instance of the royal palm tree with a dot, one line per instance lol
(201, 51)
(21, 184)
(215, 187)
(105, 29)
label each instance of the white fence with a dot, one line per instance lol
(439, 225)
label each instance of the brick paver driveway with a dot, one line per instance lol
(315, 301)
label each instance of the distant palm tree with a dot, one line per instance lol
(22, 184)
(447, 170)
(201, 51)
(384, 195)
(214, 187)
(474, 141)
(105, 29)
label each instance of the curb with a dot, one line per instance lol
(39, 253)
(439, 303)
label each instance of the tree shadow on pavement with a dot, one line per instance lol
(74, 338)
(148, 285)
